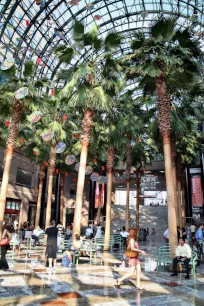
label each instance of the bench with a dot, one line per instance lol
(100, 244)
(165, 255)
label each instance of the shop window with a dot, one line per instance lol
(23, 177)
(12, 205)
(72, 193)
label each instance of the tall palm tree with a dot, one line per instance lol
(166, 53)
(28, 102)
(90, 88)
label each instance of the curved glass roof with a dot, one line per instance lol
(32, 29)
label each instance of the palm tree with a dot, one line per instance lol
(162, 56)
(19, 104)
(90, 87)
(53, 125)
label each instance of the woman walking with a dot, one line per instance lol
(132, 253)
(7, 234)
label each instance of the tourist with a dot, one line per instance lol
(98, 232)
(199, 233)
(183, 254)
(166, 235)
(68, 233)
(35, 235)
(153, 231)
(15, 225)
(193, 229)
(134, 263)
(124, 234)
(89, 232)
(51, 250)
(7, 234)
(76, 245)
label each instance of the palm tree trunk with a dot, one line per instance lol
(52, 163)
(62, 177)
(85, 138)
(165, 129)
(99, 207)
(40, 189)
(10, 146)
(128, 162)
(138, 179)
(179, 203)
(173, 161)
(109, 165)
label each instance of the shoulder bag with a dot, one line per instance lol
(4, 241)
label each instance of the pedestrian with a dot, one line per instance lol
(8, 230)
(51, 250)
(35, 235)
(166, 235)
(183, 254)
(132, 253)
(98, 231)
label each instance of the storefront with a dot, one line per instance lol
(12, 210)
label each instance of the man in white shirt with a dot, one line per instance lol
(183, 253)
(123, 233)
(166, 235)
(192, 228)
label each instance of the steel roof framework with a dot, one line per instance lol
(28, 30)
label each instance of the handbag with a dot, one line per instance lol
(65, 261)
(4, 241)
(131, 254)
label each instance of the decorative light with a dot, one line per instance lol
(57, 170)
(46, 164)
(21, 140)
(95, 161)
(7, 123)
(102, 168)
(35, 153)
(67, 173)
(64, 117)
(76, 136)
(74, 179)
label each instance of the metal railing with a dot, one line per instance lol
(192, 220)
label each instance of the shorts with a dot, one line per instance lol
(133, 261)
(51, 252)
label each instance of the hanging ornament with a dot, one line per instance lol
(97, 17)
(47, 164)
(94, 176)
(7, 63)
(39, 61)
(76, 167)
(74, 2)
(64, 117)
(27, 22)
(21, 140)
(95, 161)
(70, 159)
(76, 136)
(21, 93)
(74, 180)
(34, 152)
(7, 123)
(90, 6)
(88, 170)
(102, 168)
(35, 117)
(66, 173)
(102, 179)
(144, 14)
(57, 170)
(60, 147)
(52, 92)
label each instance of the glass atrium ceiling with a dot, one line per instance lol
(32, 29)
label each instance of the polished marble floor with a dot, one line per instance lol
(29, 284)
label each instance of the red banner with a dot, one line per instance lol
(196, 191)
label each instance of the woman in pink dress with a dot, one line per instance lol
(134, 262)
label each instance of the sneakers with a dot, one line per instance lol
(174, 274)
(49, 269)
(55, 268)
(187, 276)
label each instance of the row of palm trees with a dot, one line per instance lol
(117, 124)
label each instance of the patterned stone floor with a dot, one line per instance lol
(29, 284)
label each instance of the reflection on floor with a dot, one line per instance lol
(29, 284)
